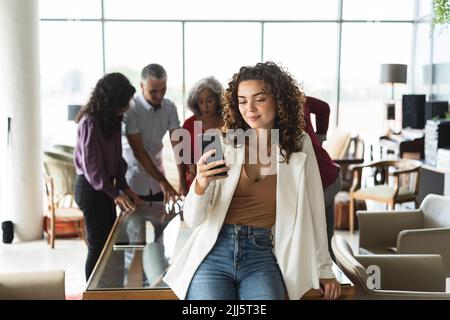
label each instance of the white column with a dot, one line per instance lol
(19, 99)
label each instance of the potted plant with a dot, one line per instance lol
(441, 12)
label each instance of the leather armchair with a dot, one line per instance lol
(426, 230)
(402, 276)
(38, 285)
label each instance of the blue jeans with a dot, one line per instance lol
(241, 265)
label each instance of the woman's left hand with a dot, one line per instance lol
(330, 288)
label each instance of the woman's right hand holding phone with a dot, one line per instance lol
(206, 172)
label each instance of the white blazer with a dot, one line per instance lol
(300, 238)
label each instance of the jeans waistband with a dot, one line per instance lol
(245, 230)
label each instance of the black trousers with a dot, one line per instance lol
(99, 213)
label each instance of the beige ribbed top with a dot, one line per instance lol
(253, 203)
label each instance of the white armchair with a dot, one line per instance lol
(426, 230)
(402, 276)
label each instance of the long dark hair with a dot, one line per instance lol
(111, 93)
(287, 94)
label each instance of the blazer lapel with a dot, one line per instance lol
(288, 183)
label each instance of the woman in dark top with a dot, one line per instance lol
(101, 183)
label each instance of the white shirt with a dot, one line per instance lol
(152, 124)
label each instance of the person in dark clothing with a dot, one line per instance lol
(100, 184)
(329, 171)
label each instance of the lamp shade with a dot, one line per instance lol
(72, 111)
(393, 73)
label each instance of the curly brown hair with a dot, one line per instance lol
(287, 94)
(111, 93)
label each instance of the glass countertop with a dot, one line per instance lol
(140, 248)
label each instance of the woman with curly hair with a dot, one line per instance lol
(100, 184)
(204, 101)
(260, 232)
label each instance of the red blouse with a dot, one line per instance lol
(328, 169)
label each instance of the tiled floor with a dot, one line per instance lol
(69, 255)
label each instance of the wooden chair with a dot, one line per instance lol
(353, 154)
(64, 148)
(345, 149)
(60, 215)
(63, 217)
(404, 187)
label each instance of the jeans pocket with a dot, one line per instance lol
(261, 242)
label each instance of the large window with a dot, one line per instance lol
(70, 9)
(212, 49)
(441, 65)
(422, 67)
(313, 63)
(378, 10)
(70, 66)
(425, 8)
(222, 10)
(364, 48)
(130, 46)
(335, 55)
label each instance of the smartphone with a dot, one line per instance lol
(129, 245)
(210, 141)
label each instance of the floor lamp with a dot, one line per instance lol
(393, 73)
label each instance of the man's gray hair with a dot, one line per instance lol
(153, 71)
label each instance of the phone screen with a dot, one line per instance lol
(211, 141)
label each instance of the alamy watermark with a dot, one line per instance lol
(260, 144)
(374, 280)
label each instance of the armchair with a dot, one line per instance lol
(426, 230)
(38, 285)
(403, 276)
(405, 174)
